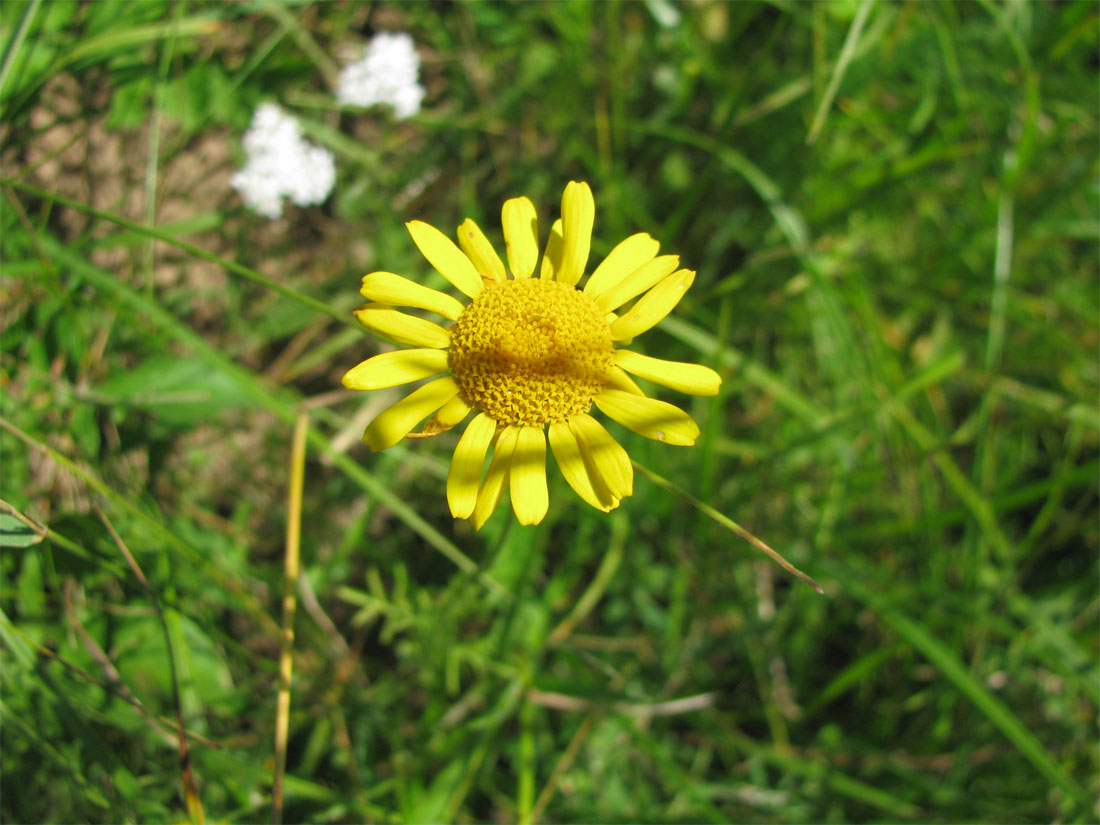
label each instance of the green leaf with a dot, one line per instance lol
(130, 103)
(179, 390)
(425, 806)
(14, 533)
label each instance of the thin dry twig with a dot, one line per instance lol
(728, 523)
(563, 764)
(39, 529)
(674, 707)
(118, 693)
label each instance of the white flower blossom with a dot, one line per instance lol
(281, 164)
(387, 73)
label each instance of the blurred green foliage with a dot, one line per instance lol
(892, 208)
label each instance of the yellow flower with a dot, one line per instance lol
(529, 354)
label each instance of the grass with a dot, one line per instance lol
(892, 211)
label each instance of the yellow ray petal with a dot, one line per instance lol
(653, 306)
(551, 258)
(521, 236)
(387, 288)
(694, 379)
(567, 453)
(632, 253)
(464, 477)
(604, 457)
(649, 417)
(578, 212)
(492, 488)
(395, 422)
(448, 260)
(453, 412)
(637, 282)
(617, 379)
(405, 329)
(480, 251)
(448, 416)
(392, 368)
(527, 477)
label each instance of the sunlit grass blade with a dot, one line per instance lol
(278, 402)
(15, 42)
(231, 267)
(124, 503)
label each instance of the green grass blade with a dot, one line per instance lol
(995, 710)
(232, 267)
(280, 402)
(16, 42)
(847, 52)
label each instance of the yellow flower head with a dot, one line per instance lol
(530, 355)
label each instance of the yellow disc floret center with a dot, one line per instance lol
(530, 352)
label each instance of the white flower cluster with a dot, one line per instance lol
(387, 73)
(281, 164)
